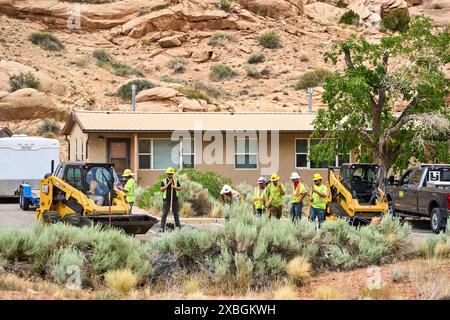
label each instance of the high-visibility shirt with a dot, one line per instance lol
(317, 201)
(130, 189)
(168, 191)
(258, 198)
(298, 192)
(273, 194)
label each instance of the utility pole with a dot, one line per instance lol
(310, 91)
(133, 97)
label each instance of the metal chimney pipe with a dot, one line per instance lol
(133, 97)
(310, 91)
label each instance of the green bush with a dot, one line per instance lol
(225, 5)
(141, 84)
(312, 79)
(210, 180)
(219, 39)
(170, 79)
(178, 65)
(350, 17)
(437, 6)
(252, 72)
(191, 93)
(104, 60)
(270, 39)
(251, 252)
(396, 20)
(66, 262)
(101, 55)
(256, 57)
(341, 4)
(48, 126)
(209, 90)
(221, 72)
(23, 80)
(48, 250)
(46, 41)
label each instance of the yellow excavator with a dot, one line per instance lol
(355, 192)
(80, 193)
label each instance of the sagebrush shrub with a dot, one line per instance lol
(312, 79)
(104, 60)
(350, 17)
(46, 41)
(178, 65)
(141, 84)
(101, 55)
(209, 90)
(192, 93)
(256, 57)
(23, 80)
(252, 72)
(219, 39)
(270, 39)
(48, 126)
(225, 5)
(221, 72)
(67, 262)
(396, 20)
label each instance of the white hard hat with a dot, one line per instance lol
(225, 189)
(261, 180)
(295, 175)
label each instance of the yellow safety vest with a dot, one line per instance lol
(319, 202)
(258, 198)
(297, 192)
(165, 181)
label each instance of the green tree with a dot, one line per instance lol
(401, 70)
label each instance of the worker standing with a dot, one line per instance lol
(129, 188)
(169, 188)
(298, 194)
(274, 196)
(259, 197)
(319, 194)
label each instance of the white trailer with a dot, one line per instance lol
(25, 159)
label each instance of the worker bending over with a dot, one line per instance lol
(319, 194)
(129, 188)
(274, 197)
(298, 194)
(259, 197)
(169, 188)
(229, 196)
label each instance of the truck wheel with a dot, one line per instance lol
(76, 220)
(24, 202)
(436, 220)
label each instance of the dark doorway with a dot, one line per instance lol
(119, 154)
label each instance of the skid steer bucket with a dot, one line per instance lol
(132, 224)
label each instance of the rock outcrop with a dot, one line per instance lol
(323, 12)
(46, 83)
(28, 104)
(274, 8)
(184, 17)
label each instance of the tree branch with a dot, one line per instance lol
(382, 91)
(348, 58)
(365, 135)
(410, 105)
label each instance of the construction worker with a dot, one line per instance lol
(298, 194)
(274, 196)
(129, 188)
(229, 196)
(259, 197)
(318, 198)
(169, 188)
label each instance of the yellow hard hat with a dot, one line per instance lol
(317, 176)
(170, 170)
(127, 173)
(274, 177)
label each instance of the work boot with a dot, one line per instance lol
(161, 230)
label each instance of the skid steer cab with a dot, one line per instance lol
(355, 192)
(80, 194)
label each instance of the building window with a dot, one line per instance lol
(302, 153)
(145, 153)
(187, 153)
(246, 153)
(158, 154)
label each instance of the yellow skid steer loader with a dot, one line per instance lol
(355, 192)
(80, 193)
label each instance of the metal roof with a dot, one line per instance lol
(110, 121)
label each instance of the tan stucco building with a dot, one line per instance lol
(241, 146)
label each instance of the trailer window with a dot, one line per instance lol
(73, 177)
